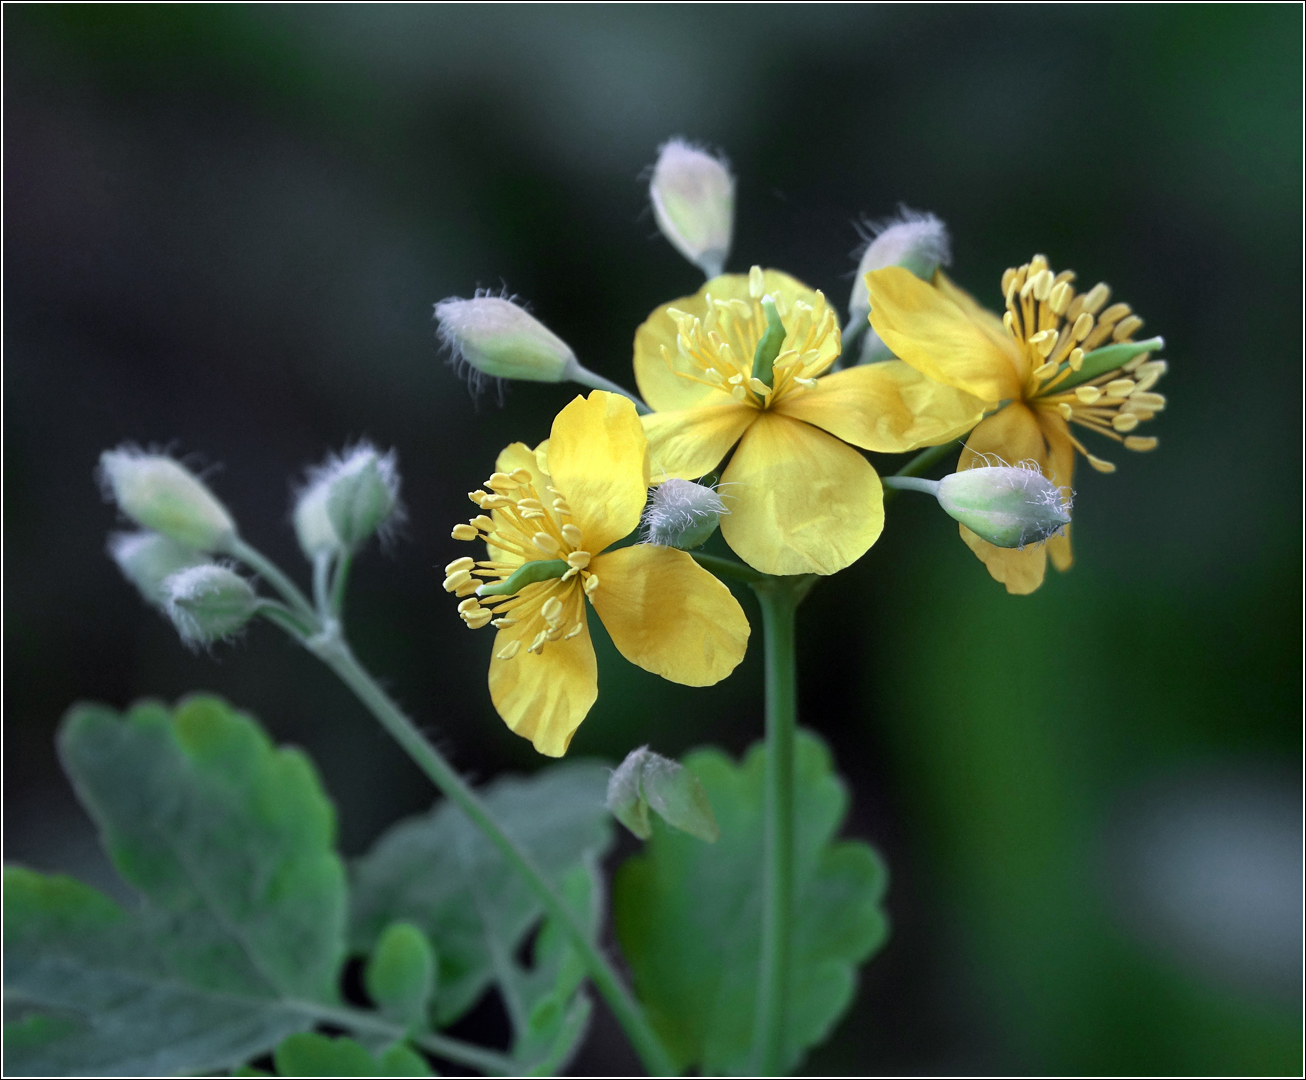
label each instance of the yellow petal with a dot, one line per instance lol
(1021, 571)
(544, 696)
(598, 458)
(687, 443)
(669, 615)
(800, 501)
(1008, 437)
(888, 407)
(931, 333)
(664, 383)
(986, 320)
(1061, 468)
(511, 457)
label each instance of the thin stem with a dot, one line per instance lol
(779, 599)
(911, 483)
(729, 568)
(341, 583)
(923, 461)
(272, 574)
(489, 1062)
(335, 653)
(291, 622)
(585, 377)
(321, 580)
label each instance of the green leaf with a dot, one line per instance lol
(400, 976)
(106, 999)
(439, 873)
(311, 1054)
(688, 916)
(230, 842)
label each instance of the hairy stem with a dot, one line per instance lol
(272, 574)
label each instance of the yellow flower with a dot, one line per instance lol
(801, 499)
(547, 518)
(1055, 358)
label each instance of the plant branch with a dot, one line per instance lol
(923, 461)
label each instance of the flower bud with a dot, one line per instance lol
(681, 514)
(159, 493)
(312, 523)
(693, 196)
(209, 602)
(1009, 506)
(918, 242)
(362, 495)
(490, 337)
(147, 559)
(645, 780)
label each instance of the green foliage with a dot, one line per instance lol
(229, 841)
(440, 874)
(310, 1054)
(400, 975)
(688, 915)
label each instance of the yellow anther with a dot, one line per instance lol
(457, 581)
(538, 644)
(529, 504)
(522, 476)
(578, 560)
(484, 523)
(713, 376)
(1046, 371)
(1144, 400)
(510, 650)
(802, 307)
(811, 356)
(546, 543)
(736, 379)
(1126, 327)
(1043, 284)
(1059, 297)
(551, 609)
(464, 532)
(477, 496)
(788, 357)
(1065, 410)
(1044, 341)
(781, 305)
(500, 481)
(1083, 327)
(573, 631)
(1100, 465)
(503, 623)
(740, 309)
(1038, 264)
(1088, 394)
(560, 506)
(570, 573)
(572, 535)
(759, 387)
(459, 564)
(739, 393)
(807, 383)
(1124, 421)
(682, 316)
(1009, 322)
(1008, 276)
(1098, 295)
(682, 346)
(1075, 359)
(591, 583)
(1115, 313)
(470, 604)
(553, 633)
(756, 283)
(478, 618)
(494, 502)
(1120, 387)
(1140, 443)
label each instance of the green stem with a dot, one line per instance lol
(585, 377)
(487, 1061)
(289, 621)
(729, 568)
(335, 653)
(322, 580)
(779, 598)
(341, 583)
(272, 574)
(923, 461)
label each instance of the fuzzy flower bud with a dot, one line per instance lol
(147, 559)
(312, 523)
(159, 493)
(681, 514)
(645, 781)
(1009, 506)
(209, 602)
(490, 337)
(693, 196)
(918, 242)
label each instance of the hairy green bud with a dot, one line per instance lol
(645, 781)
(208, 603)
(491, 337)
(148, 559)
(1009, 506)
(693, 197)
(159, 493)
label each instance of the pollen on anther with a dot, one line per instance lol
(1125, 327)
(1065, 410)
(464, 532)
(1120, 387)
(470, 604)
(1088, 394)
(510, 650)
(481, 521)
(1140, 443)
(578, 560)
(538, 644)
(1124, 421)
(546, 543)
(457, 580)
(522, 476)
(459, 564)
(591, 584)
(573, 631)
(572, 535)
(759, 387)
(1100, 465)
(551, 610)
(478, 618)
(756, 283)
(1075, 359)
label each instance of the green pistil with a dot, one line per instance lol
(526, 574)
(768, 348)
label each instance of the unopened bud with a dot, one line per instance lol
(693, 196)
(490, 337)
(362, 494)
(681, 514)
(647, 780)
(148, 559)
(209, 602)
(1009, 506)
(159, 493)
(915, 241)
(312, 524)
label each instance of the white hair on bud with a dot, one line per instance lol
(677, 507)
(909, 234)
(197, 583)
(456, 317)
(1028, 478)
(319, 477)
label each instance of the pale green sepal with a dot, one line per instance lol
(647, 780)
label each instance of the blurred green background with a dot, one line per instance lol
(224, 231)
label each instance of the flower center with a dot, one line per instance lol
(542, 590)
(1083, 361)
(719, 349)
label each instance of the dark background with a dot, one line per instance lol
(224, 231)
